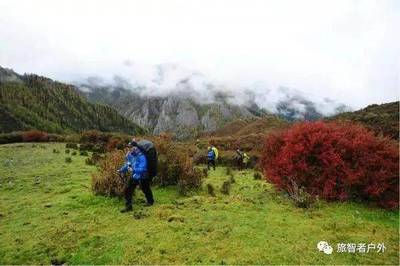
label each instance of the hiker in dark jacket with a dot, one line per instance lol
(238, 159)
(136, 162)
(210, 158)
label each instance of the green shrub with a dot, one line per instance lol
(74, 153)
(205, 172)
(86, 146)
(67, 151)
(10, 137)
(83, 153)
(228, 170)
(73, 146)
(94, 159)
(99, 147)
(210, 190)
(56, 151)
(232, 178)
(68, 160)
(226, 187)
(257, 175)
(56, 138)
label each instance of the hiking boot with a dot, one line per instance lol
(127, 209)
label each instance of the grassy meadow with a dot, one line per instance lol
(48, 214)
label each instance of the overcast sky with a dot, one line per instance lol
(346, 50)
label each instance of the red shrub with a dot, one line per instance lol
(34, 135)
(94, 136)
(117, 143)
(334, 161)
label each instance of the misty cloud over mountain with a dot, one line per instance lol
(165, 80)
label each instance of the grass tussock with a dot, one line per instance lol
(107, 181)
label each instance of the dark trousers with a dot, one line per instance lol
(210, 162)
(144, 185)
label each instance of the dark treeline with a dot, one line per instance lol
(34, 102)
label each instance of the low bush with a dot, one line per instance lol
(56, 151)
(226, 187)
(232, 178)
(83, 153)
(334, 161)
(107, 181)
(35, 136)
(68, 160)
(257, 175)
(86, 147)
(205, 172)
(176, 166)
(299, 196)
(98, 147)
(94, 136)
(67, 151)
(10, 137)
(190, 181)
(71, 145)
(117, 142)
(56, 138)
(94, 159)
(73, 153)
(71, 138)
(228, 171)
(210, 190)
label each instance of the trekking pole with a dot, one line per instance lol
(122, 179)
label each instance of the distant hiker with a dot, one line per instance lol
(137, 162)
(215, 150)
(246, 160)
(210, 158)
(238, 159)
(149, 150)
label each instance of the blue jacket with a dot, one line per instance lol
(138, 163)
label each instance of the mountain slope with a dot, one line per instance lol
(243, 127)
(177, 112)
(382, 118)
(35, 102)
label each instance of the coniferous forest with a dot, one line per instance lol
(35, 102)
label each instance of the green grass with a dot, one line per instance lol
(48, 213)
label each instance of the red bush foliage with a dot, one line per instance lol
(34, 135)
(334, 161)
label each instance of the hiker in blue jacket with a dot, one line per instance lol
(210, 158)
(136, 162)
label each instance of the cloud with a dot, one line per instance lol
(345, 50)
(163, 80)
